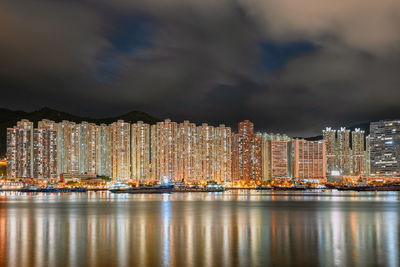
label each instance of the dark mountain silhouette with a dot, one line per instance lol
(9, 118)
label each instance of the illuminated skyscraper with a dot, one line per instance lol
(358, 152)
(343, 151)
(275, 156)
(246, 153)
(164, 156)
(45, 150)
(367, 156)
(20, 150)
(140, 152)
(206, 145)
(104, 143)
(120, 150)
(188, 155)
(87, 147)
(329, 135)
(68, 149)
(223, 157)
(309, 160)
(385, 148)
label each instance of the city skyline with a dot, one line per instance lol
(197, 153)
(199, 133)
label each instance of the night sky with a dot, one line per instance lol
(289, 66)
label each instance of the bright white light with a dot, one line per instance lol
(335, 173)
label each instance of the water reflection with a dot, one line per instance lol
(195, 229)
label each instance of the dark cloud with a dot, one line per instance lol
(289, 67)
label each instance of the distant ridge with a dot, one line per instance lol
(9, 118)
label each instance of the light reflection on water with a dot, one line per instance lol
(238, 228)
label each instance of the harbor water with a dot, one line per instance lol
(233, 228)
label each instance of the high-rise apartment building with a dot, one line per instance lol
(121, 150)
(87, 147)
(206, 146)
(104, 141)
(329, 136)
(68, 152)
(385, 148)
(246, 153)
(20, 150)
(280, 159)
(357, 152)
(367, 157)
(164, 156)
(223, 157)
(309, 160)
(275, 156)
(343, 151)
(188, 152)
(45, 150)
(140, 151)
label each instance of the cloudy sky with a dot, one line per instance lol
(289, 66)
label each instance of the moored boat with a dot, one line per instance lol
(53, 189)
(209, 188)
(79, 189)
(30, 188)
(389, 187)
(263, 187)
(120, 187)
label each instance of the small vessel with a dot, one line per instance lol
(197, 188)
(215, 188)
(29, 188)
(288, 187)
(48, 189)
(388, 187)
(263, 187)
(121, 187)
(53, 189)
(79, 189)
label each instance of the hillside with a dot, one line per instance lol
(9, 118)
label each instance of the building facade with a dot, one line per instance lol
(329, 136)
(246, 153)
(164, 156)
(309, 160)
(104, 141)
(188, 152)
(120, 150)
(20, 150)
(343, 151)
(140, 151)
(223, 157)
(357, 152)
(385, 148)
(276, 162)
(45, 150)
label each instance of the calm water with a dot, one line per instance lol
(200, 229)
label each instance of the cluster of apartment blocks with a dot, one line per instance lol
(353, 153)
(189, 152)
